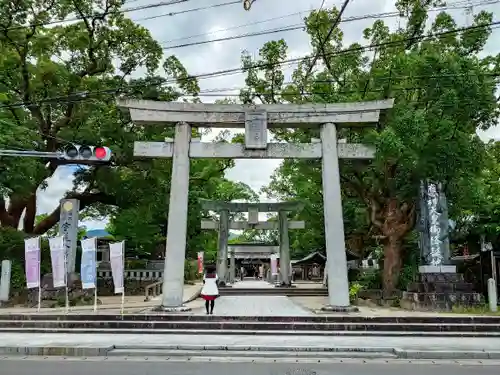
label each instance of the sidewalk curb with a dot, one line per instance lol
(254, 348)
(245, 350)
(64, 351)
(446, 354)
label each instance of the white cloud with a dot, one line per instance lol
(226, 55)
(60, 182)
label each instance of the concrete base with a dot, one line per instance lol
(437, 269)
(342, 309)
(174, 309)
(283, 285)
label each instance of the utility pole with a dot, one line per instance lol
(469, 14)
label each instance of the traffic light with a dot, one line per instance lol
(86, 154)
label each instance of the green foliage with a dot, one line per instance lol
(12, 248)
(71, 73)
(354, 289)
(444, 90)
(190, 270)
(135, 264)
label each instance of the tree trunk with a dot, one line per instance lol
(394, 219)
(392, 264)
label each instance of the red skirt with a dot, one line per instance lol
(209, 298)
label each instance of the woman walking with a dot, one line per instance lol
(210, 290)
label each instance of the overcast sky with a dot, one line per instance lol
(231, 20)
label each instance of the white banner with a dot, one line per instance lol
(58, 260)
(89, 263)
(32, 262)
(116, 258)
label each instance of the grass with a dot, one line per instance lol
(475, 310)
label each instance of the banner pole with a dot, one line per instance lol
(123, 277)
(39, 275)
(66, 279)
(95, 274)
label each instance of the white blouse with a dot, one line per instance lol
(210, 287)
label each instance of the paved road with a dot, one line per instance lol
(151, 367)
(258, 306)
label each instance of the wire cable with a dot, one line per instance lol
(83, 95)
(126, 10)
(294, 27)
(170, 14)
(322, 44)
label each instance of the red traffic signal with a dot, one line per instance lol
(86, 154)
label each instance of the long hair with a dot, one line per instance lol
(210, 271)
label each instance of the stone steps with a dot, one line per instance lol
(60, 324)
(187, 317)
(273, 291)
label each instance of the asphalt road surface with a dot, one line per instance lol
(102, 366)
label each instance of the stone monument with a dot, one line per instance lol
(437, 285)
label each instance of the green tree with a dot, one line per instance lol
(59, 80)
(443, 87)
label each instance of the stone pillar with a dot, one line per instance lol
(232, 268)
(338, 284)
(284, 249)
(173, 275)
(222, 246)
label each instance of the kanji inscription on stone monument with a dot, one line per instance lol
(256, 129)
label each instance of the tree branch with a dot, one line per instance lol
(85, 199)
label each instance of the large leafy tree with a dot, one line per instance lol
(63, 63)
(444, 89)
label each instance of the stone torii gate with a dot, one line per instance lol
(249, 251)
(255, 119)
(253, 209)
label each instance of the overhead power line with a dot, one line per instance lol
(84, 95)
(295, 27)
(322, 43)
(238, 27)
(126, 10)
(170, 14)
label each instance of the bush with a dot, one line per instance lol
(354, 290)
(371, 279)
(12, 248)
(190, 270)
(135, 264)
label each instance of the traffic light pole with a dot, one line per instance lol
(31, 154)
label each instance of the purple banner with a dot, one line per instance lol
(32, 262)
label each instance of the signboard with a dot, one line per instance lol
(200, 262)
(68, 228)
(256, 129)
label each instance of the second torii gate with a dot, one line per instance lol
(253, 209)
(255, 119)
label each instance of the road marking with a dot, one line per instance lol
(367, 362)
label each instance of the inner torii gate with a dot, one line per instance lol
(253, 209)
(255, 119)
